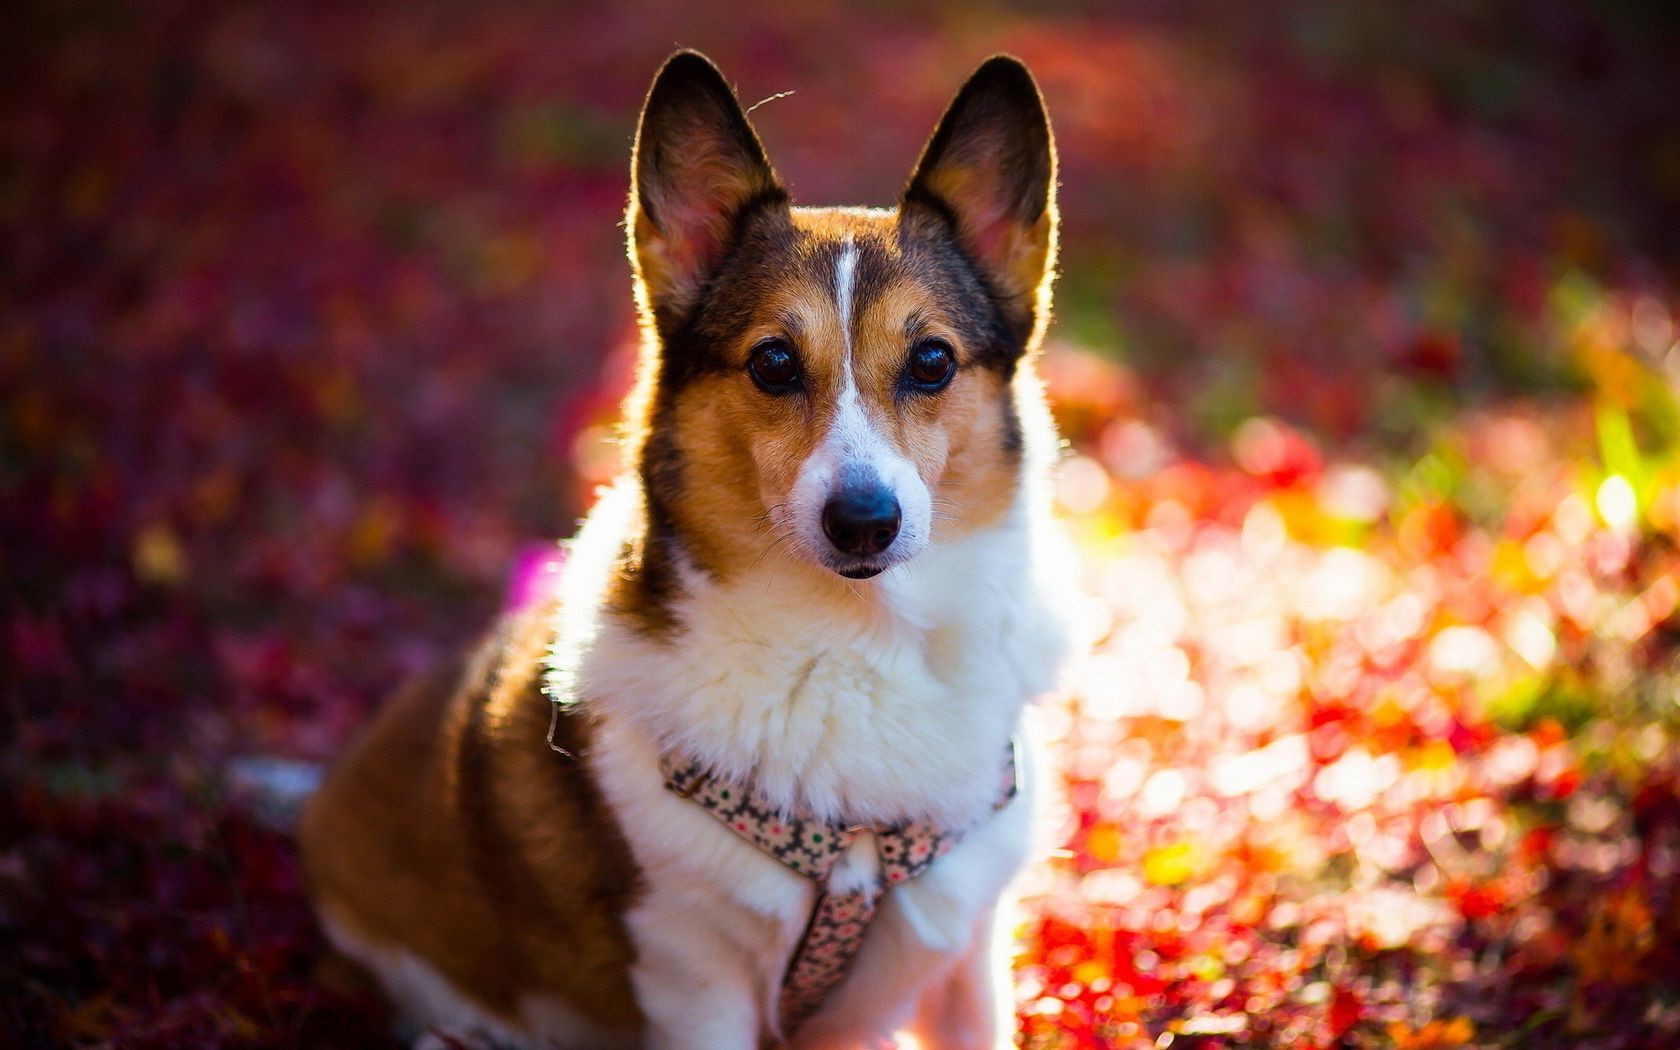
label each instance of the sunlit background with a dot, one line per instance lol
(313, 321)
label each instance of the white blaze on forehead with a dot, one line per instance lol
(845, 279)
(853, 446)
(849, 406)
(851, 425)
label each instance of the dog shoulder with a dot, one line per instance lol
(452, 833)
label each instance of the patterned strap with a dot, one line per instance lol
(825, 954)
(812, 847)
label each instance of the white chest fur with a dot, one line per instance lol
(895, 701)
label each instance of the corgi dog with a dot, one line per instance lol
(748, 776)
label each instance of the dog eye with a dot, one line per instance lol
(932, 364)
(774, 367)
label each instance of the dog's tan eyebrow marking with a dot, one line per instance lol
(791, 323)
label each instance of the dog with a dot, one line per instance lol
(750, 775)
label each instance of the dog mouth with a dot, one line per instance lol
(861, 572)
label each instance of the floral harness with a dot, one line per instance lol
(812, 847)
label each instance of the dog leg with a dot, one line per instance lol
(694, 989)
(964, 1010)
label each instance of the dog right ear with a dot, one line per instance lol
(988, 177)
(698, 170)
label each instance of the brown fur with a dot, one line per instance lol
(452, 831)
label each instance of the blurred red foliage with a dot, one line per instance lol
(313, 317)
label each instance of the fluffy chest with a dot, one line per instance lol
(889, 703)
(871, 706)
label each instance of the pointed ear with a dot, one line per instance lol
(988, 175)
(697, 170)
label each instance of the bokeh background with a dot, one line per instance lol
(313, 319)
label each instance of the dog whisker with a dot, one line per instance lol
(777, 540)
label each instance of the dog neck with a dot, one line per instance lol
(867, 702)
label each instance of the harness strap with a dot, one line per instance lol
(812, 847)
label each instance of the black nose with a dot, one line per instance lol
(861, 521)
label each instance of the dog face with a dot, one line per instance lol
(835, 382)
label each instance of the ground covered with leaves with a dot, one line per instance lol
(313, 320)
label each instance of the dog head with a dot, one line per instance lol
(837, 385)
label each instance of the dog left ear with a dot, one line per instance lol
(697, 170)
(989, 175)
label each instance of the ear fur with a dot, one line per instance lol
(989, 175)
(697, 170)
